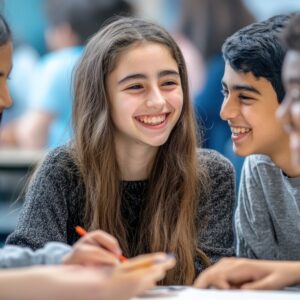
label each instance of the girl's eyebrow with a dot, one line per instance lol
(143, 76)
(132, 76)
(168, 72)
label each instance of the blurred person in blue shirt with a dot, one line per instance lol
(47, 121)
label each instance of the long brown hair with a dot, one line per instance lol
(169, 219)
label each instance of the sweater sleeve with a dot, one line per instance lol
(216, 210)
(44, 216)
(16, 257)
(253, 224)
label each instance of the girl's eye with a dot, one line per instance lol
(135, 87)
(169, 83)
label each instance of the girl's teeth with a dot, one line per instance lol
(152, 120)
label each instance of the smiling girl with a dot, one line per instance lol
(133, 168)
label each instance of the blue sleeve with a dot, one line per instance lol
(51, 88)
(16, 257)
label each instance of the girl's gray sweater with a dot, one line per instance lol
(54, 205)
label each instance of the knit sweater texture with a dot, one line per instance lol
(54, 205)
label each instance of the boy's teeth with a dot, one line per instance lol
(239, 130)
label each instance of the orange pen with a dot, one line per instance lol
(82, 232)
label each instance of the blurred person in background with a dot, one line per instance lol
(208, 23)
(28, 24)
(47, 121)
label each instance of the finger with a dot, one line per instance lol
(266, 283)
(136, 281)
(226, 274)
(147, 278)
(148, 260)
(100, 257)
(90, 255)
(103, 239)
(202, 282)
(207, 281)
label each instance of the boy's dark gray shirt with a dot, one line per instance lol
(267, 219)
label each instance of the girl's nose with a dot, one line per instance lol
(155, 99)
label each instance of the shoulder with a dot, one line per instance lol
(259, 159)
(219, 174)
(59, 173)
(59, 155)
(213, 161)
(58, 163)
(259, 171)
(258, 163)
(218, 192)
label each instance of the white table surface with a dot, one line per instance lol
(197, 294)
(17, 157)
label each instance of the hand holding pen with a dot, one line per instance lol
(99, 248)
(94, 248)
(143, 270)
(118, 253)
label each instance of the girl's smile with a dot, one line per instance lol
(153, 121)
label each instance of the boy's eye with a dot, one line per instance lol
(244, 97)
(224, 92)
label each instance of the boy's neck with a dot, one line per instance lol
(283, 160)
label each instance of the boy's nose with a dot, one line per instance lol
(229, 110)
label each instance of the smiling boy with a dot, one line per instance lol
(268, 211)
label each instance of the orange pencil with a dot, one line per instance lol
(82, 232)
